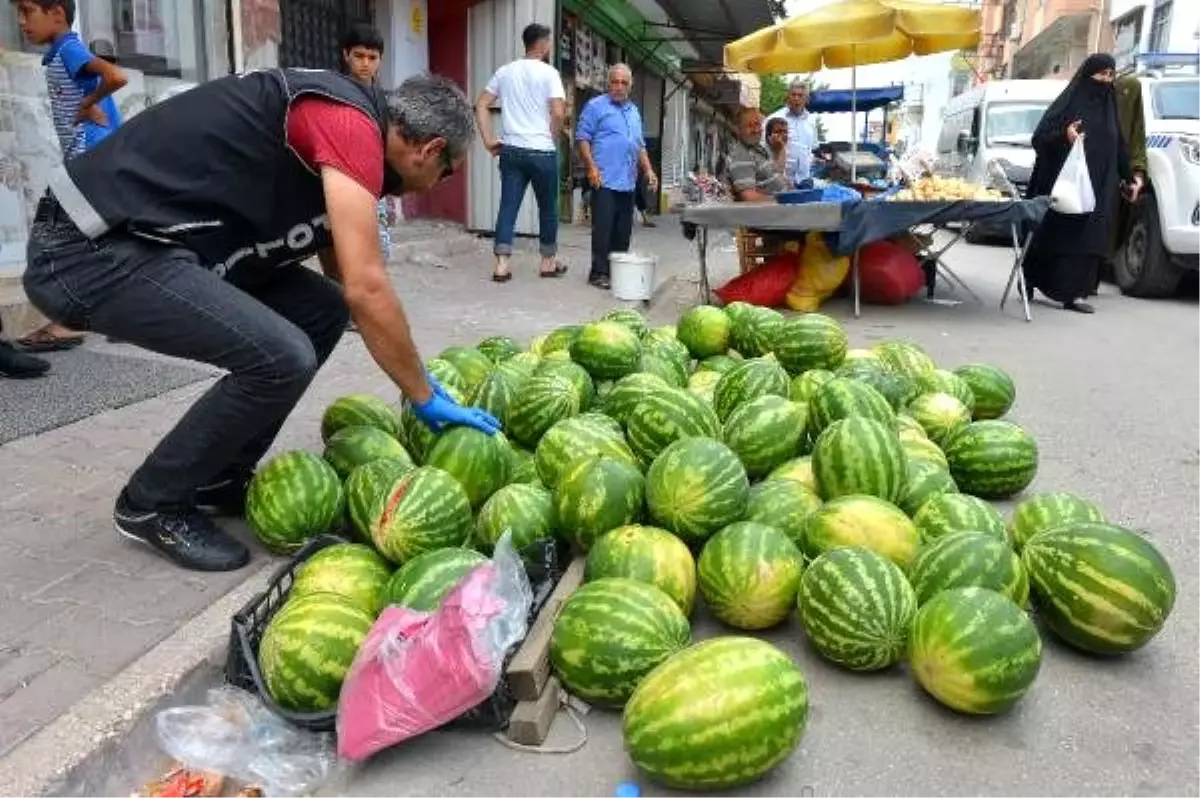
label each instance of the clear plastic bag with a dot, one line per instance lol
(235, 735)
(1072, 192)
(417, 671)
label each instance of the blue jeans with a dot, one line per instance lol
(518, 168)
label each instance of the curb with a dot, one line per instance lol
(43, 762)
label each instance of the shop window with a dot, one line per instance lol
(1160, 27)
(157, 37)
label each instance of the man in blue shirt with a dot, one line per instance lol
(613, 149)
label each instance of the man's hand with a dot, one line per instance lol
(439, 412)
(1074, 130)
(92, 113)
(593, 175)
(651, 180)
(492, 146)
(1133, 189)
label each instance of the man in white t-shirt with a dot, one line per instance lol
(532, 104)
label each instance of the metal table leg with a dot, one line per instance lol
(1020, 250)
(855, 281)
(946, 271)
(702, 253)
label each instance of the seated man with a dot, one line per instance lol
(751, 173)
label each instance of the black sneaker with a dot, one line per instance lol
(187, 538)
(225, 498)
(17, 365)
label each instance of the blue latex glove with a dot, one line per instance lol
(438, 390)
(440, 411)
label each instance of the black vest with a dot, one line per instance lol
(210, 170)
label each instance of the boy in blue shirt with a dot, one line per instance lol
(81, 86)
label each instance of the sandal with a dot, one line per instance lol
(501, 278)
(559, 270)
(45, 341)
(600, 282)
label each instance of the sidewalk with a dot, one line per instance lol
(78, 603)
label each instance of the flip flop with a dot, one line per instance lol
(559, 270)
(43, 341)
(501, 278)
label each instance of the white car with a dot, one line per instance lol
(1164, 240)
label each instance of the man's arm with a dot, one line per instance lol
(558, 106)
(483, 118)
(79, 61)
(373, 303)
(743, 181)
(583, 135)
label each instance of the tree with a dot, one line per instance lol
(774, 93)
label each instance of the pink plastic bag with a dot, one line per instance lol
(417, 671)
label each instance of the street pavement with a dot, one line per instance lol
(1112, 400)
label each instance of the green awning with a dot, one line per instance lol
(619, 22)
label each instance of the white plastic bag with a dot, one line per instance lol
(1072, 192)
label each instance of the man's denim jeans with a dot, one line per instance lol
(518, 169)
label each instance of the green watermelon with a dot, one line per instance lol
(627, 392)
(351, 570)
(579, 436)
(415, 435)
(704, 384)
(897, 389)
(524, 363)
(718, 363)
(366, 486)
(472, 364)
(860, 366)
(667, 370)
(499, 348)
(923, 480)
(612, 632)
(607, 349)
(577, 375)
(424, 581)
(974, 650)
(426, 509)
(359, 410)
(446, 374)
(669, 349)
(909, 427)
(480, 462)
(695, 487)
(940, 415)
(522, 467)
(923, 449)
(750, 380)
(704, 330)
(559, 339)
(904, 357)
(1044, 511)
(662, 331)
(544, 400)
(864, 521)
(527, 511)
(754, 333)
(646, 554)
(805, 386)
(751, 718)
(749, 574)
(765, 432)
(1099, 587)
(604, 422)
(496, 392)
(784, 504)
(810, 341)
(969, 559)
(992, 459)
(859, 456)
(841, 398)
(666, 416)
(992, 389)
(957, 512)
(634, 321)
(857, 608)
(943, 381)
(350, 447)
(797, 470)
(292, 497)
(307, 648)
(596, 494)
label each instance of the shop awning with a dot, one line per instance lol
(839, 101)
(710, 24)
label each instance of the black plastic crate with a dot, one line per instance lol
(543, 564)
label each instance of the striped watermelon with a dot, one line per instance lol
(426, 509)
(577, 375)
(1044, 511)
(857, 608)
(923, 480)
(765, 432)
(897, 389)
(909, 427)
(607, 349)
(943, 381)
(749, 574)
(804, 387)
(941, 415)
(499, 348)
(1099, 587)
(629, 318)
(864, 521)
(603, 421)
(719, 363)
(669, 349)
(646, 554)
(662, 331)
(359, 410)
(292, 497)
(579, 436)
(810, 341)
(923, 449)
(612, 632)
(858, 456)
(695, 487)
(841, 398)
(415, 435)
(350, 447)
(669, 371)
(992, 459)
(974, 650)
(627, 392)
(859, 366)
(527, 511)
(365, 488)
(480, 462)
(784, 504)
(751, 719)
(351, 570)
(424, 581)
(754, 333)
(969, 559)
(750, 380)
(957, 512)
(904, 357)
(446, 374)
(667, 416)
(559, 339)
(524, 363)
(596, 494)
(544, 400)
(472, 364)
(704, 384)
(704, 330)
(496, 392)
(993, 390)
(797, 470)
(307, 648)
(522, 467)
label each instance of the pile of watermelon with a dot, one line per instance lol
(743, 460)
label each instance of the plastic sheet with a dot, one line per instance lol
(819, 276)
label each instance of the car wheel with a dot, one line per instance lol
(1143, 267)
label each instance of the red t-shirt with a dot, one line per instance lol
(326, 132)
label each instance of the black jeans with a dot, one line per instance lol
(271, 331)
(518, 169)
(612, 227)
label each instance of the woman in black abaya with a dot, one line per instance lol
(1067, 249)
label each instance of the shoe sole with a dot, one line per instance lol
(190, 567)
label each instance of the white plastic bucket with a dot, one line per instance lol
(632, 276)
